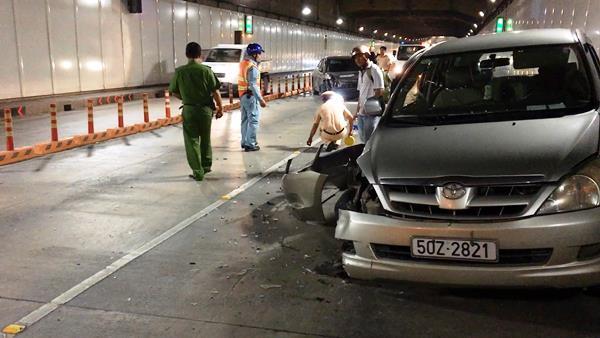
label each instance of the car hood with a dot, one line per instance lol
(533, 150)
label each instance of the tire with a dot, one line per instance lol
(345, 202)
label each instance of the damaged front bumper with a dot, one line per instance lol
(303, 189)
(565, 235)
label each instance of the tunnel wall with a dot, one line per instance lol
(69, 46)
(574, 14)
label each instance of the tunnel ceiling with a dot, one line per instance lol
(406, 18)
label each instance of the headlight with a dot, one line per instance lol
(577, 192)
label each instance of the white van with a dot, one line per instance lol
(224, 59)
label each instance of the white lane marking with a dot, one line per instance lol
(78, 289)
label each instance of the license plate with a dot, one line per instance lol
(459, 249)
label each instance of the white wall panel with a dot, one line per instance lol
(574, 14)
(132, 49)
(230, 25)
(205, 28)
(150, 55)
(180, 32)
(165, 37)
(593, 23)
(112, 44)
(33, 46)
(9, 63)
(193, 23)
(581, 14)
(89, 45)
(215, 26)
(63, 45)
(96, 44)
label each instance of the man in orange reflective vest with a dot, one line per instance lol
(250, 96)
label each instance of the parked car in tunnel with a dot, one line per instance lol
(336, 73)
(484, 169)
(224, 60)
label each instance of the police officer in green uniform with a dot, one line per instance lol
(196, 85)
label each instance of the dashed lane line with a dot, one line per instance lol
(78, 289)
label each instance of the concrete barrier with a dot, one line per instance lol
(94, 138)
(125, 131)
(55, 146)
(142, 127)
(40, 149)
(17, 155)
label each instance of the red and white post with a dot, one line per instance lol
(53, 123)
(8, 128)
(120, 111)
(146, 112)
(304, 83)
(167, 104)
(278, 85)
(286, 85)
(90, 114)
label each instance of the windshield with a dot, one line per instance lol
(224, 55)
(341, 65)
(405, 52)
(519, 83)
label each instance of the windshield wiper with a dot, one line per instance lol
(417, 120)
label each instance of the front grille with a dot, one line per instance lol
(505, 256)
(480, 212)
(489, 202)
(500, 190)
(346, 85)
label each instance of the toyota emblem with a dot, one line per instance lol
(453, 191)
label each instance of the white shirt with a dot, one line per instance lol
(366, 87)
(383, 61)
(333, 117)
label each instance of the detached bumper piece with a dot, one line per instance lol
(303, 192)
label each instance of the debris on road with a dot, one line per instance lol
(270, 286)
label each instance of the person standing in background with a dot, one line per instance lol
(370, 86)
(197, 86)
(250, 96)
(383, 60)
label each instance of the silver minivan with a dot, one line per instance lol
(483, 171)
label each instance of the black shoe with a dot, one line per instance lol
(194, 177)
(257, 148)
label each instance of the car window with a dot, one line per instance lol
(529, 79)
(320, 67)
(224, 55)
(341, 65)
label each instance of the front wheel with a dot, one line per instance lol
(345, 202)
